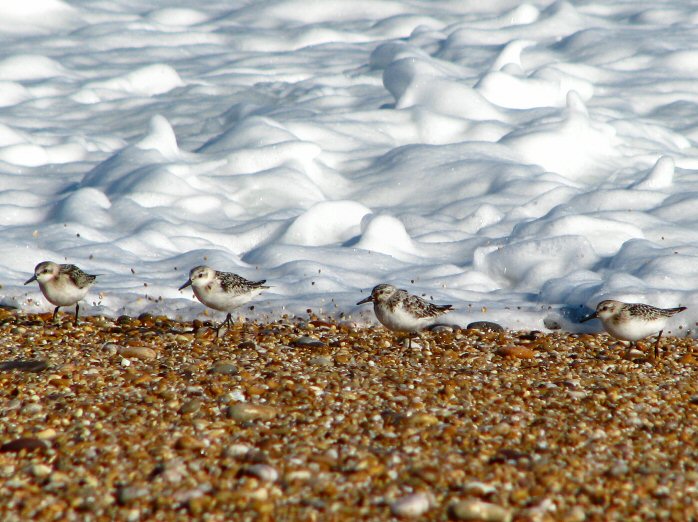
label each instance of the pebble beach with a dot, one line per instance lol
(146, 418)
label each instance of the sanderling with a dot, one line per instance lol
(62, 285)
(400, 311)
(633, 321)
(222, 291)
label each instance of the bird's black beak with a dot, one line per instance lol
(588, 317)
(32, 278)
(188, 283)
(367, 300)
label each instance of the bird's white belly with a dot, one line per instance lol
(63, 295)
(399, 320)
(635, 330)
(223, 301)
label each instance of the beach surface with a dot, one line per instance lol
(151, 419)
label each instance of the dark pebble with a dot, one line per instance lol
(191, 406)
(308, 341)
(128, 494)
(24, 443)
(506, 454)
(485, 326)
(531, 336)
(35, 366)
(443, 327)
(224, 368)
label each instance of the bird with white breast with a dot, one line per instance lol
(401, 311)
(222, 291)
(633, 321)
(62, 285)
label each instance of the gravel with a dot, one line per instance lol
(346, 424)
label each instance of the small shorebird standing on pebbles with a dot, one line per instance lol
(62, 285)
(400, 311)
(222, 291)
(633, 321)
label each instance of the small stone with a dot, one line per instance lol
(111, 348)
(502, 428)
(321, 324)
(576, 514)
(517, 352)
(127, 494)
(478, 489)
(224, 367)
(442, 328)
(480, 511)
(320, 361)
(137, 352)
(533, 335)
(633, 354)
(258, 495)
(619, 469)
(308, 342)
(197, 506)
(172, 471)
(236, 450)
(206, 333)
(485, 326)
(232, 396)
(185, 442)
(300, 475)
(243, 412)
(414, 505)
(263, 472)
(520, 495)
(46, 434)
(58, 477)
(688, 359)
(419, 420)
(40, 470)
(31, 409)
(191, 406)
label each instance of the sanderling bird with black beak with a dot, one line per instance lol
(633, 321)
(222, 291)
(401, 311)
(62, 285)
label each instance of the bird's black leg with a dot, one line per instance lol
(55, 314)
(656, 346)
(77, 311)
(228, 321)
